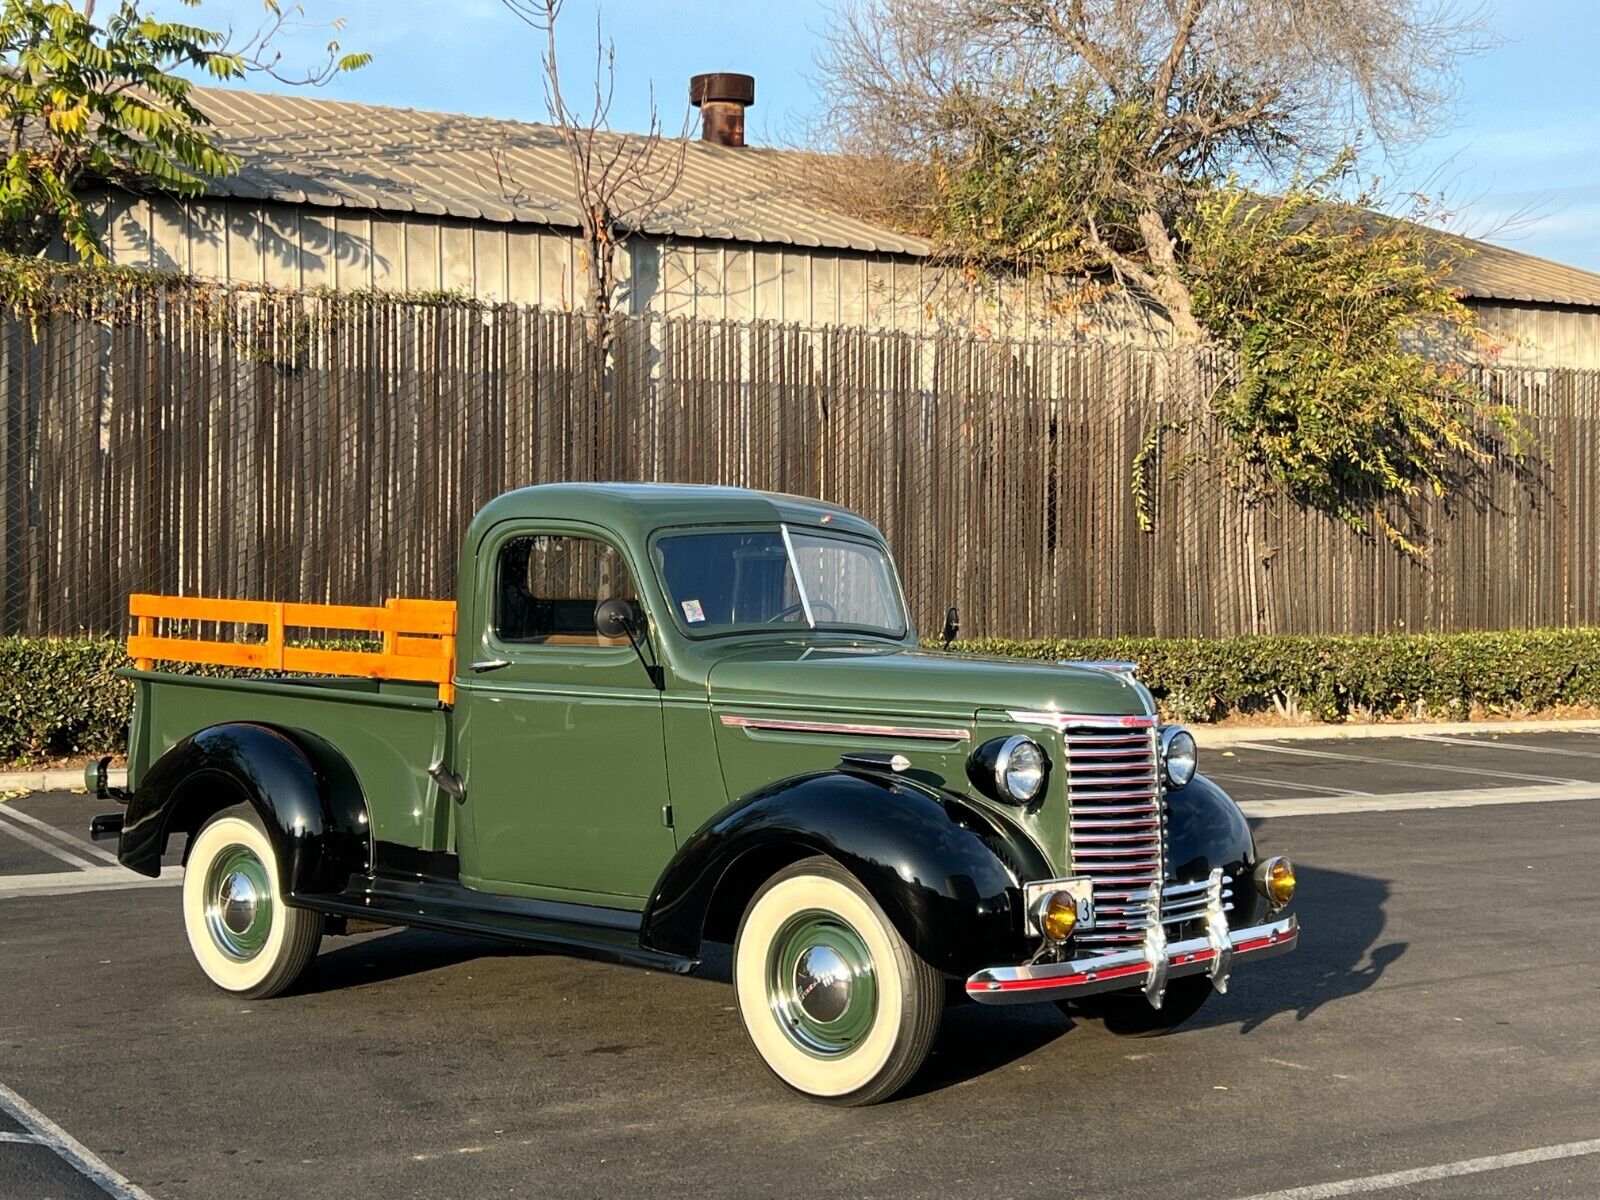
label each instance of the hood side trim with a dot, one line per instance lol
(781, 725)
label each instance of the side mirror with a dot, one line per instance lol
(952, 624)
(614, 619)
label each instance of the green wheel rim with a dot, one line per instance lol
(821, 984)
(238, 896)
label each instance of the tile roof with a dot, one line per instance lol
(306, 150)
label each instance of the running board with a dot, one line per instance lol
(587, 931)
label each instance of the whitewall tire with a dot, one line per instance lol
(836, 1003)
(245, 938)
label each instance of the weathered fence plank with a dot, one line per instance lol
(332, 449)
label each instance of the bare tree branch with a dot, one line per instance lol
(620, 182)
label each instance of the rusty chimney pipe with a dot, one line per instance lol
(722, 97)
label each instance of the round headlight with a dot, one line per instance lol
(1179, 757)
(1019, 769)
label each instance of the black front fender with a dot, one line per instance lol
(1206, 830)
(304, 791)
(936, 863)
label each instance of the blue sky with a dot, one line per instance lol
(1521, 163)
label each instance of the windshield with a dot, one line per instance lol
(736, 580)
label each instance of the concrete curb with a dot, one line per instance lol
(52, 781)
(1225, 735)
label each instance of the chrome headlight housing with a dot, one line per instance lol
(1179, 755)
(1012, 770)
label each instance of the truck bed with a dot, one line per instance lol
(390, 732)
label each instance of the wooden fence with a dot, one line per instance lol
(332, 449)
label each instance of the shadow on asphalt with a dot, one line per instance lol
(394, 955)
(1340, 954)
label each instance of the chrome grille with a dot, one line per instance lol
(1117, 829)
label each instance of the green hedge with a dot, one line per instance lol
(61, 696)
(1443, 676)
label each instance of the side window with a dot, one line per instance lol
(549, 584)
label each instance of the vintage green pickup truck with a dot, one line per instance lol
(659, 716)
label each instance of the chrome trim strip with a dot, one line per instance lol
(1061, 720)
(782, 725)
(1127, 969)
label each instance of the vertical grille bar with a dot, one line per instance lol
(1116, 822)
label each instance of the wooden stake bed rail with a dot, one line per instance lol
(419, 637)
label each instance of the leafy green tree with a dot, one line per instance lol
(1107, 139)
(1349, 392)
(83, 100)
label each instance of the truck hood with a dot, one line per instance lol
(900, 679)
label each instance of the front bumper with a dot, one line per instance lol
(1147, 968)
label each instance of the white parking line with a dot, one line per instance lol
(59, 835)
(1226, 776)
(1519, 747)
(71, 1151)
(1320, 806)
(91, 879)
(38, 843)
(1453, 1170)
(1389, 762)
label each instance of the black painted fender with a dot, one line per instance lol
(1205, 830)
(935, 862)
(303, 789)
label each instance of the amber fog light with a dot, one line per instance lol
(1275, 881)
(1058, 916)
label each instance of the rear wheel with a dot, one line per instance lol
(839, 1007)
(1128, 1014)
(245, 938)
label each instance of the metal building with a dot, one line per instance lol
(355, 196)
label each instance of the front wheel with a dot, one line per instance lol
(245, 938)
(839, 1007)
(1128, 1014)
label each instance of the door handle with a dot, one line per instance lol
(489, 664)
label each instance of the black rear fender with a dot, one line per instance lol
(946, 873)
(303, 789)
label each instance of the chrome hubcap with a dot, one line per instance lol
(238, 895)
(238, 903)
(821, 984)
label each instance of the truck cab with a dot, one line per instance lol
(657, 716)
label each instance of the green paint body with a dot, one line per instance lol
(572, 758)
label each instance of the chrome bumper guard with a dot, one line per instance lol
(1149, 967)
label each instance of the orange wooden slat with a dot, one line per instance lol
(418, 642)
(200, 608)
(423, 647)
(371, 666)
(396, 619)
(220, 654)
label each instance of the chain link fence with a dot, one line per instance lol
(217, 441)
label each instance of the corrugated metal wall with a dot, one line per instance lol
(1542, 335)
(303, 246)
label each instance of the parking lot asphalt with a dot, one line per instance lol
(1437, 1034)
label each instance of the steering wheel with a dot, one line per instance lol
(784, 614)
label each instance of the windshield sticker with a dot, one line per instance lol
(692, 612)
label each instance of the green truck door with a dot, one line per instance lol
(567, 773)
